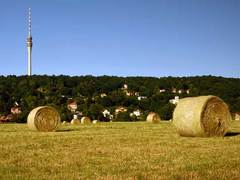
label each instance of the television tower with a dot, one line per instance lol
(29, 43)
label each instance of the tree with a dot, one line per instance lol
(95, 111)
(123, 116)
(166, 112)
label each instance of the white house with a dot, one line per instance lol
(180, 91)
(136, 113)
(136, 93)
(162, 90)
(107, 114)
(141, 98)
(102, 95)
(175, 100)
(125, 86)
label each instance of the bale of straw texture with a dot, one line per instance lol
(202, 116)
(153, 118)
(43, 118)
(85, 120)
(75, 121)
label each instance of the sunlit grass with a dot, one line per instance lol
(116, 151)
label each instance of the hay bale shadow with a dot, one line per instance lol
(229, 134)
(65, 130)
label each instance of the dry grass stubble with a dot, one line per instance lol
(116, 151)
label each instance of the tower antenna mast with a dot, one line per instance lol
(29, 42)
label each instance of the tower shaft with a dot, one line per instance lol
(29, 44)
(29, 48)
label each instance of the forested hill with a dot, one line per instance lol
(95, 94)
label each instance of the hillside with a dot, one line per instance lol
(93, 95)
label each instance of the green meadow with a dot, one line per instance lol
(130, 150)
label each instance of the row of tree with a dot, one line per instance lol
(30, 92)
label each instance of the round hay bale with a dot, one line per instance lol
(75, 121)
(65, 123)
(85, 120)
(153, 118)
(237, 117)
(43, 118)
(202, 116)
(95, 121)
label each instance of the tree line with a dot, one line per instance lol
(142, 93)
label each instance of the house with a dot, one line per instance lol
(129, 93)
(2, 118)
(180, 91)
(16, 103)
(136, 113)
(237, 117)
(107, 114)
(188, 91)
(72, 106)
(175, 100)
(174, 90)
(7, 118)
(120, 109)
(42, 90)
(162, 90)
(141, 98)
(85, 99)
(136, 93)
(125, 86)
(16, 110)
(102, 95)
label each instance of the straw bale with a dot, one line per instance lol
(85, 120)
(201, 116)
(75, 121)
(43, 118)
(153, 118)
(237, 117)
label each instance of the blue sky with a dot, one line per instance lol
(122, 37)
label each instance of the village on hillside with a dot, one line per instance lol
(119, 102)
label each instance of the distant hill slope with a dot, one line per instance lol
(94, 94)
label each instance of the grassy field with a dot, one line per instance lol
(116, 151)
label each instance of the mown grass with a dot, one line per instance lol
(116, 151)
